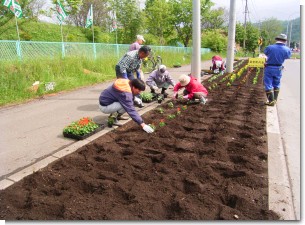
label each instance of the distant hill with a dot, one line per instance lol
(42, 31)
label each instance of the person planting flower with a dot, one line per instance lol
(160, 78)
(118, 99)
(193, 89)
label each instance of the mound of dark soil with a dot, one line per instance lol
(209, 163)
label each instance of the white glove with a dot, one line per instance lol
(148, 128)
(137, 100)
(155, 88)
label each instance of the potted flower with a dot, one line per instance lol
(81, 129)
(184, 107)
(146, 96)
(178, 111)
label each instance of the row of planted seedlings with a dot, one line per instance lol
(229, 78)
(168, 111)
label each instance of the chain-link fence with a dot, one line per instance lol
(23, 50)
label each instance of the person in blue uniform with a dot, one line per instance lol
(276, 55)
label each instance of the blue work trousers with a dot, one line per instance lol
(272, 78)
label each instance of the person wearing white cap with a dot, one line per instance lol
(193, 89)
(276, 55)
(160, 78)
(137, 44)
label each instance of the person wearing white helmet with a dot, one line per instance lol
(276, 55)
(160, 78)
(137, 44)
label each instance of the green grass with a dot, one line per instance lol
(17, 77)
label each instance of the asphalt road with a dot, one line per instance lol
(288, 108)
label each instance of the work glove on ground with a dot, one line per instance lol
(148, 128)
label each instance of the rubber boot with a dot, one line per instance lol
(276, 93)
(164, 93)
(270, 97)
(121, 117)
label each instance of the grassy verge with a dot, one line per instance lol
(16, 78)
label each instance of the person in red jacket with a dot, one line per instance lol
(218, 64)
(193, 89)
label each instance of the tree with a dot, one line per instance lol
(181, 17)
(101, 11)
(128, 18)
(34, 8)
(215, 40)
(252, 36)
(270, 28)
(71, 6)
(157, 21)
(215, 19)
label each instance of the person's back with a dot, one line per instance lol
(276, 54)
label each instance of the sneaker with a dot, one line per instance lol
(116, 123)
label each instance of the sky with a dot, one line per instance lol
(260, 10)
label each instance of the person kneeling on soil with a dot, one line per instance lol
(118, 99)
(160, 78)
(193, 89)
(218, 64)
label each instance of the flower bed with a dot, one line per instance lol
(210, 162)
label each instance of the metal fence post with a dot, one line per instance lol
(63, 53)
(94, 50)
(18, 49)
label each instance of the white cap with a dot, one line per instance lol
(162, 69)
(140, 37)
(184, 80)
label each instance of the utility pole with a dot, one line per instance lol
(245, 24)
(196, 56)
(290, 35)
(231, 37)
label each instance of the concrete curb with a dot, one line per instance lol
(280, 193)
(10, 180)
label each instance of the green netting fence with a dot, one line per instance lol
(23, 50)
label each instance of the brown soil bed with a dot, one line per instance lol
(209, 163)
